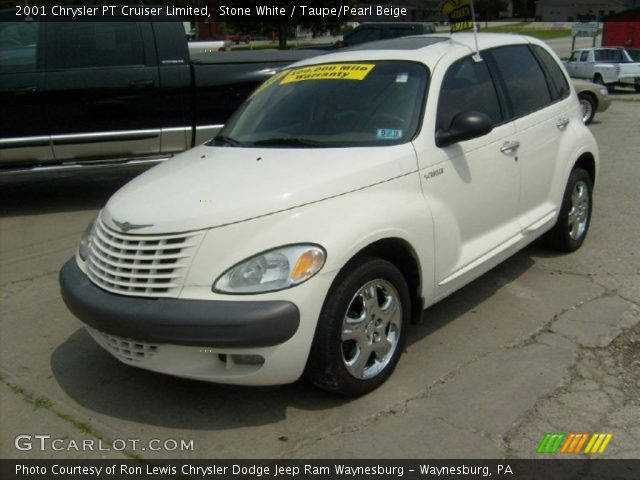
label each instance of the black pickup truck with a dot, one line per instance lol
(95, 93)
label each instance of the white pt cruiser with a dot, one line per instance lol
(348, 193)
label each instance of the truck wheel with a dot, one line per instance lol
(600, 81)
(575, 213)
(588, 107)
(361, 330)
(637, 87)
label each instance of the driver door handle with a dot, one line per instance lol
(509, 147)
(562, 122)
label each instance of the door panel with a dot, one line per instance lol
(24, 133)
(471, 187)
(103, 89)
(473, 196)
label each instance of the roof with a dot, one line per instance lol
(427, 49)
(621, 15)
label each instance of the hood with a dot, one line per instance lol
(213, 186)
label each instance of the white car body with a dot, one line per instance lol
(460, 210)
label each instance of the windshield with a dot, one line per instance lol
(332, 105)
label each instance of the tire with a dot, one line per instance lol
(361, 330)
(637, 87)
(588, 105)
(600, 81)
(574, 220)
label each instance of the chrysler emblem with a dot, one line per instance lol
(126, 226)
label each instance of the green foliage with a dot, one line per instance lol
(286, 29)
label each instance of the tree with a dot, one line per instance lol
(316, 24)
(490, 9)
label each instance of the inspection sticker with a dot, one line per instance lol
(388, 134)
(333, 71)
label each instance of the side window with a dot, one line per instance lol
(557, 80)
(584, 56)
(523, 78)
(394, 32)
(575, 56)
(467, 86)
(610, 55)
(363, 35)
(18, 46)
(97, 44)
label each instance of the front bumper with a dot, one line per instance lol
(202, 323)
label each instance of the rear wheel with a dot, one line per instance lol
(600, 81)
(637, 87)
(572, 226)
(361, 330)
(588, 107)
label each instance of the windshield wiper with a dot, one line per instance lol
(295, 141)
(226, 139)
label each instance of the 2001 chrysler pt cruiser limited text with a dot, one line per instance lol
(348, 193)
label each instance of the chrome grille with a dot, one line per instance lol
(140, 265)
(124, 349)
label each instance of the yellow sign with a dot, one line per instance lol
(333, 71)
(447, 6)
(460, 13)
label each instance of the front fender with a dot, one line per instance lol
(342, 225)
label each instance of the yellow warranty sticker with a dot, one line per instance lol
(333, 71)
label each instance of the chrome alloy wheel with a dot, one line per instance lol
(587, 110)
(579, 212)
(371, 329)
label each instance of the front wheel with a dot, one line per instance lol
(572, 226)
(361, 330)
(588, 107)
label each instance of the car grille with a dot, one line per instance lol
(140, 265)
(126, 350)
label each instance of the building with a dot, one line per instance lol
(622, 29)
(583, 10)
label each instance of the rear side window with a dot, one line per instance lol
(394, 32)
(97, 44)
(557, 81)
(467, 86)
(18, 46)
(363, 35)
(523, 78)
(610, 55)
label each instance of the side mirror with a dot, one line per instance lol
(464, 126)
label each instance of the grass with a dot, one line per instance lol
(526, 28)
(533, 32)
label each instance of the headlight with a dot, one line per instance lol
(87, 237)
(273, 270)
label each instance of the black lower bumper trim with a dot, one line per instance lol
(205, 323)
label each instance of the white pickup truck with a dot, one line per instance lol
(608, 66)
